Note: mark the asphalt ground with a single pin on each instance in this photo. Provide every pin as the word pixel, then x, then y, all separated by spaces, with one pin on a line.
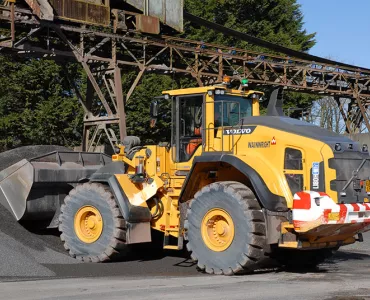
pixel 34 265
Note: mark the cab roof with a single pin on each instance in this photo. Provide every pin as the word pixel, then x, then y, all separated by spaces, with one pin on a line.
pixel 205 89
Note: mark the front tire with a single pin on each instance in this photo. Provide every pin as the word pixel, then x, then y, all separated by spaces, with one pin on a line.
pixel 91 224
pixel 226 230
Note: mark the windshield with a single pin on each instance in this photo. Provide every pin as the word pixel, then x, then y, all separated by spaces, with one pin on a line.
pixel 229 109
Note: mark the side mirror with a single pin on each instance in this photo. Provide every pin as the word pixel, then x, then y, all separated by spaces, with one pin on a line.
pixel 154 109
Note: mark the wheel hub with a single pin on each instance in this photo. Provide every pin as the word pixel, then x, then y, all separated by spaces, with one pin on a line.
pixel 88 224
pixel 217 229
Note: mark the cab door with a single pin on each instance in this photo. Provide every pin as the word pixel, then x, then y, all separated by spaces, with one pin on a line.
pixel 187 118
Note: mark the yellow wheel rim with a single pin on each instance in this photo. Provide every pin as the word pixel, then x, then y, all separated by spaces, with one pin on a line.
pixel 88 224
pixel 217 229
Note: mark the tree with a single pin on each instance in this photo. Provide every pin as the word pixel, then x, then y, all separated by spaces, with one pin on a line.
pixel 325 113
pixel 137 108
pixel 36 105
pixel 277 21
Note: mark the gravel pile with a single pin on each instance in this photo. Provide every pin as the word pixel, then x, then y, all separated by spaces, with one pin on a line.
pixel 24 253
pixel 13 156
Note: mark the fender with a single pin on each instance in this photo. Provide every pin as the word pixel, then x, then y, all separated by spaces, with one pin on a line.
pixel 268 200
pixel 131 213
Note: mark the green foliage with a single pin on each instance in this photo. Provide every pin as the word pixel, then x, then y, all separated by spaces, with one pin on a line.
pixel 36 105
pixel 138 106
pixel 277 21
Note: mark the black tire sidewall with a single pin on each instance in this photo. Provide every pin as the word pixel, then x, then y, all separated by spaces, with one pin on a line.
pixel 87 197
pixel 242 227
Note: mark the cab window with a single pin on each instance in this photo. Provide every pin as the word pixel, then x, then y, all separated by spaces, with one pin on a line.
pixel 293 169
pixel 186 133
pixel 229 109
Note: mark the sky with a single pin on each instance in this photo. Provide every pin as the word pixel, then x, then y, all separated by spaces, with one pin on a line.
pixel 342 29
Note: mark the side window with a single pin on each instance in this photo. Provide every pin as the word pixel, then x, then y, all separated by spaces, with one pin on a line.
pixel 187 127
pixel 293 159
pixel 293 169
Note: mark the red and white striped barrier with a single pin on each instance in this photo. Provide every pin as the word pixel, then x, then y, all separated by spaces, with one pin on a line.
pixel 312 209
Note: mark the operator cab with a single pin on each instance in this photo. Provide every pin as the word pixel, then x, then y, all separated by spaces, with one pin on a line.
pixel 222 106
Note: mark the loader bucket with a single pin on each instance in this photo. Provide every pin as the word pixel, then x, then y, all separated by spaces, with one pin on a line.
pixel 34 189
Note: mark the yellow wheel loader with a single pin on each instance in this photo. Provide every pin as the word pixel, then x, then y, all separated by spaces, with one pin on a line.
pixel 240 190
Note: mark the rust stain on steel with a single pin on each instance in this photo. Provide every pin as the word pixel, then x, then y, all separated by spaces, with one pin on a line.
pixel 35 7
pixel 82 11
pixel 170 12
pixel 147 24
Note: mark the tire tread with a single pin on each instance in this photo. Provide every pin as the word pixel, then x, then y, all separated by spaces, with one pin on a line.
pixel 254 253
pixel 116 247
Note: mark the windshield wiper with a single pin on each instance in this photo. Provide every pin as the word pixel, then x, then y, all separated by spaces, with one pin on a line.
pixel 354 174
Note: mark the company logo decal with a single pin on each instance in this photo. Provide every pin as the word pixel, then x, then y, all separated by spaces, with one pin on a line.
pixel 273 141
pixel 259 144
pixel 315 175
pixel 237 131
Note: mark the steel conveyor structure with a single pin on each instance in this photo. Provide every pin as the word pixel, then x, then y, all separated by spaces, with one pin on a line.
pixel 127 38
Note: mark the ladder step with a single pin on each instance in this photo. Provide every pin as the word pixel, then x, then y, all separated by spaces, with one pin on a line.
pixel 171 247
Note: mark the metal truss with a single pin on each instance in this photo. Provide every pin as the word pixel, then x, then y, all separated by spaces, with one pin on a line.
pixel 103 54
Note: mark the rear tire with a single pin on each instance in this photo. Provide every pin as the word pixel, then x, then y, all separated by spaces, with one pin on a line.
pixel 82 239
pixel 240 216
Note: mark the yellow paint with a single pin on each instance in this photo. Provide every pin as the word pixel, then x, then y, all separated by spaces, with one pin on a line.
pixel 217 229
pixel 293 245
pixel 286 227
pixel 139 193
pixel 205 89
pixel 268 162
pixel 367 185
pixel 88 224
pixel 330 174
pixel 334 216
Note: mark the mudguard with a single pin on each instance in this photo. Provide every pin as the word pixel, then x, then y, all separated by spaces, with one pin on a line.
pixel 269 200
